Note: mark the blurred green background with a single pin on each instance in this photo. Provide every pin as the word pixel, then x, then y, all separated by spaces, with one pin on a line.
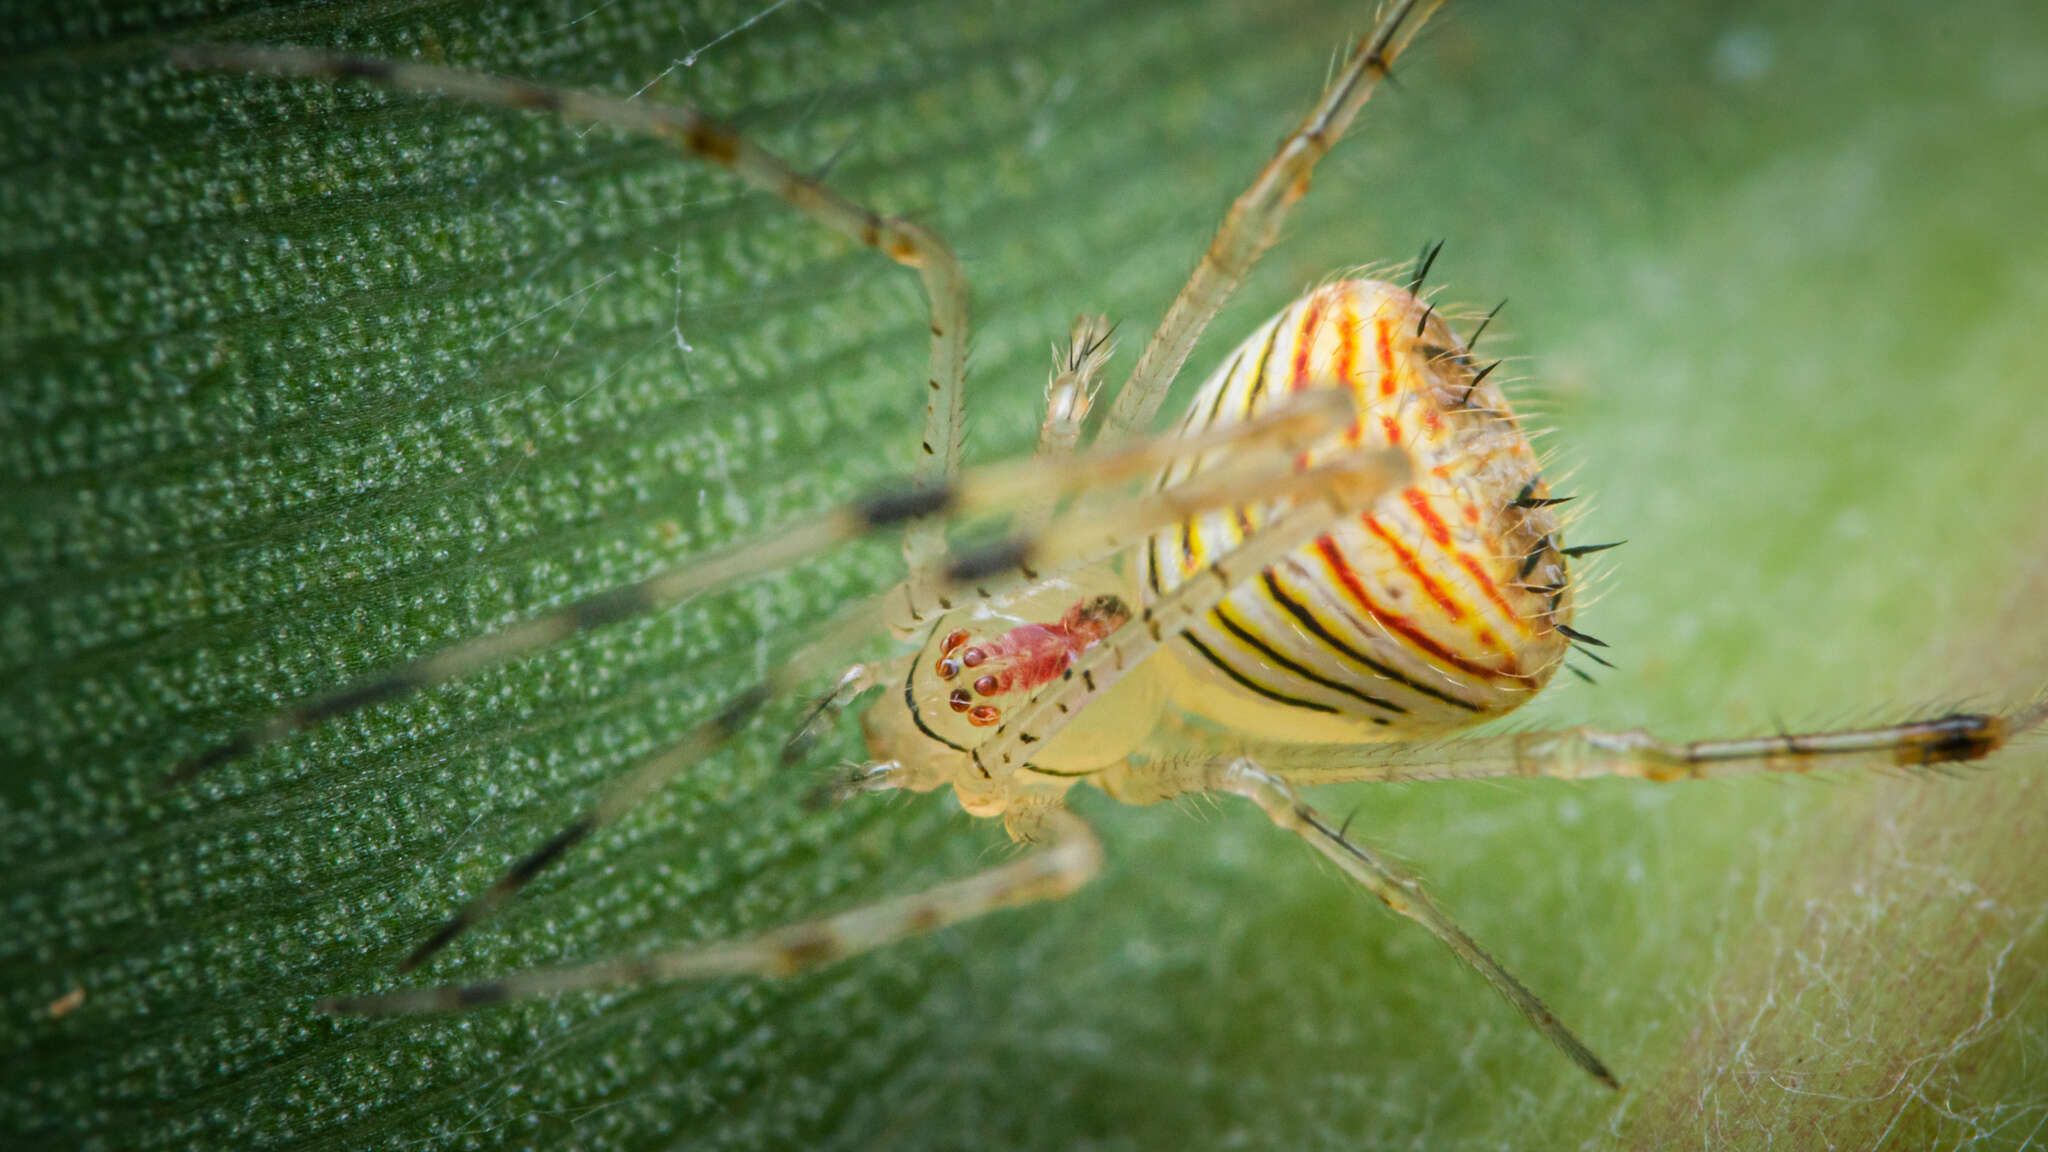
pixel 301 381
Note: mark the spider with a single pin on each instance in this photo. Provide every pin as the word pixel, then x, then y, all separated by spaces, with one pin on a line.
pixel 1345 554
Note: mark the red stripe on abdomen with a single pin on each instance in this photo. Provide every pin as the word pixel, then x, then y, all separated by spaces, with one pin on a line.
pixel 1412 565
pixel 1347 341
pixel 1305 341
pixel 1490 589
pixel 1333 559
pixel 1384 342
pixel 1431 522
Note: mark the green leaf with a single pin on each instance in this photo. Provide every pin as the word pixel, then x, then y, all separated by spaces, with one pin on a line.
pixel 305 380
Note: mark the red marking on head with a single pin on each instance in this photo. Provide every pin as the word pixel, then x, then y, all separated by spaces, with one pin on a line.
pixel 1432 419
pixel 1092 619
pixel 1471 513
pixel 1032 654
pixel 1392 428
pixel 983 715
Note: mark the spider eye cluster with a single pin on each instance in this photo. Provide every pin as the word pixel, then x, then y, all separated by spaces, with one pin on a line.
pixel 956 656
pixel 971 671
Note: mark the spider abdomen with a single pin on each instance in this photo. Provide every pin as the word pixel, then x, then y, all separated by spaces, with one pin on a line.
pixel 1437 609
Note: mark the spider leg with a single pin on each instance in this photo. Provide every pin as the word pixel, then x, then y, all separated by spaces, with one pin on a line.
pixel 1255 219
pixel 1076 375
pixel 695 134
pixel 1085 533
pixel 1397 890
pixel 1068 856
pixel 991 489
pixel 854 683
pixel 1069 394
pixel 1581 753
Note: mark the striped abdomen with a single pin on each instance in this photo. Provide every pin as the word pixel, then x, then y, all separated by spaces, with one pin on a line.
pixel 1439 608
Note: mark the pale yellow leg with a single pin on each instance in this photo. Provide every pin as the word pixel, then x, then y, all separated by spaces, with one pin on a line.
pixel 1239 776
pixel 1066 857
pixel 1258 214
pixel 695 134
pixel 1070 392
pixel 1583 753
